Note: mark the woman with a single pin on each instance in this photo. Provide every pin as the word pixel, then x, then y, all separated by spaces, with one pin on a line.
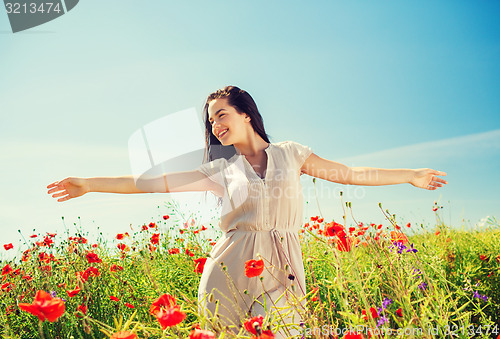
pixel 258 184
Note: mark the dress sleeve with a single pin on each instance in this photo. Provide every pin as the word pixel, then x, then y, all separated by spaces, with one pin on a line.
pixel 213 169
pixel 299 153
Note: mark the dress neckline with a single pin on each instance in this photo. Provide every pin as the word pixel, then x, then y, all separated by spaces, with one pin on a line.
pixel 267 165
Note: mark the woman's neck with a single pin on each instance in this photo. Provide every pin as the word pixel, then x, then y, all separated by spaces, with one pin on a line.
pixel 253 147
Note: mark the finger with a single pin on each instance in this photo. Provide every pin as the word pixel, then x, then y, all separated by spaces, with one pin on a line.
pixel 52 185
pixel 59 194
pixel 439 180
pixel 64 198
pixel 56 189
pixel 439 173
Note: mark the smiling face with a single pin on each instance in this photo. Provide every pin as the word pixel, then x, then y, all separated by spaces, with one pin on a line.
pixel 223 117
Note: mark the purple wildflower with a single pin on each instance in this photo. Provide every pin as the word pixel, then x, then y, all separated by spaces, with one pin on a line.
pixel 53 294
pixel 382 320
pixel 386 303
pixel 480 296
pixel 422 286
pixel 412 249
pixel 400 247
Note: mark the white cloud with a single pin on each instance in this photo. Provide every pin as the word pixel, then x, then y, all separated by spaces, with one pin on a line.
pixel 472 145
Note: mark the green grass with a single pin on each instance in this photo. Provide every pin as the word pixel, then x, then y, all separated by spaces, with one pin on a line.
pixel 437 288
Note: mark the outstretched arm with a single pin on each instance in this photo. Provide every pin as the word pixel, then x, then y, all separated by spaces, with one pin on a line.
pixel 318 167
pixel 187 181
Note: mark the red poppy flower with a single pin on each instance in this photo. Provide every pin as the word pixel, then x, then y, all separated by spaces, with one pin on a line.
pixel 170 317
pixel 314 218
pixel 435 208
pixel 6 269
pixel 353 335
pixel 93 258
pixel 155 238
pixel 26 255
pixel 483 257
pixel 124 335
pixel 94 271
pixel 164 301
pixel 344 243
pixel 74 292
pixel 129 305
pixel 112 297
pixel 45 307
pixel 82 308
pixel 332 228
pixel 144 228
pixel 52 235
pixel 408 225
pixel 33 236
pixel 373 313
pixel 152 225
pixel 200 264
pixel 201 334
pixel 8 246
pixel 251 323
pixel 121 247
pixel 7 286
pixel 188 252
pixel 115 268
pixel 399 312
pixel 174 251
pixel 48 241
pixel 119 236
pixel 314 290
pixel 398 237
pixel 254 268
pixel 165 217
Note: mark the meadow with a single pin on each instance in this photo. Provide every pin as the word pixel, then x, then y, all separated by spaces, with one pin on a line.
pixel 363 280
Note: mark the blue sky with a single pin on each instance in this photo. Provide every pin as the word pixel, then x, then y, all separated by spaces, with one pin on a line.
pixel 385 84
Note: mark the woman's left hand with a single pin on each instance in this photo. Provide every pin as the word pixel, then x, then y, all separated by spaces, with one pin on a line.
pixel 426 178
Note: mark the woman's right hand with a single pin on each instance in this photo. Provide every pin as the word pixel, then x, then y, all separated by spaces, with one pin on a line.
pixel 69 188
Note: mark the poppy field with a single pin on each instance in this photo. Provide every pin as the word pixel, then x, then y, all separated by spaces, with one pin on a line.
pixel 363 280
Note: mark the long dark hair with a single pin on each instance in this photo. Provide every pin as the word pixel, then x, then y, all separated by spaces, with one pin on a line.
pixel 242 103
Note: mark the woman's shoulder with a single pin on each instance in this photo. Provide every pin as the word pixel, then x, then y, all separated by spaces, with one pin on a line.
pixel 288 145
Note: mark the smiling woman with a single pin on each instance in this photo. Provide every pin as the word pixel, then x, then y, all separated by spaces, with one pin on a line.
pixel 259 227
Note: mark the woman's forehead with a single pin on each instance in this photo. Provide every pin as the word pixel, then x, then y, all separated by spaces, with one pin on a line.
pixel 215 106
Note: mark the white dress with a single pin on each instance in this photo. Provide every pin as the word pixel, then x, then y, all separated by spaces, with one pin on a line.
pixel 260 218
